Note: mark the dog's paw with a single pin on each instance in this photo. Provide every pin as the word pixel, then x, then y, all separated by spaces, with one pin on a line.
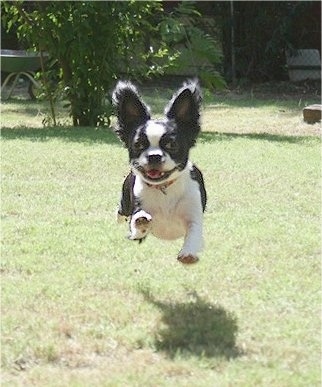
pixel 140 225
pixel 188 259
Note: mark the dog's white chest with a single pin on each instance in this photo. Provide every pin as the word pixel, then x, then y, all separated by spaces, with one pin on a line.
pixel 166 211
pixel 167 224
pixel 171 209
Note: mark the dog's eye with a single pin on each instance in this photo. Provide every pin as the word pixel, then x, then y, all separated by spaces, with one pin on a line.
pixel 171 146
pixel 139 146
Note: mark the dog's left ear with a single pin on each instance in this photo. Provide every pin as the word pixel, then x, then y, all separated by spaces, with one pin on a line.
pixel 184 105
pixel 131 110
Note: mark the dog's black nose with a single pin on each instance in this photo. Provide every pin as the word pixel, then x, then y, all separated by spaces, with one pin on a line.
pixel 155 159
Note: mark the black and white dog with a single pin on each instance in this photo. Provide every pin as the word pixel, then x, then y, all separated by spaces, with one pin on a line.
pixel 164 194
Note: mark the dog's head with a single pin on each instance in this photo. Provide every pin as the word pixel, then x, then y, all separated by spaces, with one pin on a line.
pixel 158 149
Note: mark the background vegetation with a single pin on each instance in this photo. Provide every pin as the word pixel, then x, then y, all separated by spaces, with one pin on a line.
pixel 95 43
pixel 264 30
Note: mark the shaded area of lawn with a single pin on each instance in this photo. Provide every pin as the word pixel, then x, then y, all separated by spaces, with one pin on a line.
pixel 68 134
pixel 196 327
pixel 279 95
pixel 106 135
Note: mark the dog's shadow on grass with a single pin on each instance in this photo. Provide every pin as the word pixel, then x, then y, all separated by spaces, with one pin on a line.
pixel 195 328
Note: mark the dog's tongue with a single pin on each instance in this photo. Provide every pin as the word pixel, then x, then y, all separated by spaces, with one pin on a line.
pixel 154 173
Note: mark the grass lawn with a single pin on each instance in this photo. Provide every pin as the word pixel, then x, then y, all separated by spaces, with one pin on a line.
pixel 83 306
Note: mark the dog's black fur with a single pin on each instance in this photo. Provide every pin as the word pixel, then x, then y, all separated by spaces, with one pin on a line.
pixel 163 184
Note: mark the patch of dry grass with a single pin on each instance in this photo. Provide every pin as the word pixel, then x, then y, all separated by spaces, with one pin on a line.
pixel 268 117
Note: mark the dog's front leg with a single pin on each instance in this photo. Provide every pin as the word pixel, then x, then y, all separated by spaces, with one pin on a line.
pixel 193 243
pixel 140 224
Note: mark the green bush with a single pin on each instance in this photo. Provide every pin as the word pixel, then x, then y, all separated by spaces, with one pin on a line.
pixel 95 43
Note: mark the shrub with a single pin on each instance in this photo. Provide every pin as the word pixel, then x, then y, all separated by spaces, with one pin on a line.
pixel 96 42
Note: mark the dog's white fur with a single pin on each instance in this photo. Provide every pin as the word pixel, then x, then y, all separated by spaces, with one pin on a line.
pixel 178 213
pixel 170 207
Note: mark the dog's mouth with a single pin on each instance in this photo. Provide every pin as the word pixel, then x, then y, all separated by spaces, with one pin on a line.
pixel 156 175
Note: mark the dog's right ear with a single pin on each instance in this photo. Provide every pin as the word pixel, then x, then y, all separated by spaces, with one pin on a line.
pixel 130 109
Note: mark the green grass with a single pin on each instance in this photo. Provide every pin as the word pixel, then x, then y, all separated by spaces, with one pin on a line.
pixel 83 306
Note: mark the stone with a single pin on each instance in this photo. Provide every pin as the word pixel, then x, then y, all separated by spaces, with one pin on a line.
pixel 312 113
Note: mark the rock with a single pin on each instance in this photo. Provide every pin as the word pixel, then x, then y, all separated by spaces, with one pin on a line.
pixel 312 113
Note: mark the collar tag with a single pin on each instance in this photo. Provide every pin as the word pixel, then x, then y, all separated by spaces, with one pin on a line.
pixel 162 187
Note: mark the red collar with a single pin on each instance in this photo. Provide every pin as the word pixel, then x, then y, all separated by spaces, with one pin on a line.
pixel 162 187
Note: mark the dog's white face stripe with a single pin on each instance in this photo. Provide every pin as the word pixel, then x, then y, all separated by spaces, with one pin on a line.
pixel 154 131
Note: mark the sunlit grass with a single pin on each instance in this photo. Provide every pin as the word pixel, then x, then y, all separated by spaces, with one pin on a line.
pixel 82 305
